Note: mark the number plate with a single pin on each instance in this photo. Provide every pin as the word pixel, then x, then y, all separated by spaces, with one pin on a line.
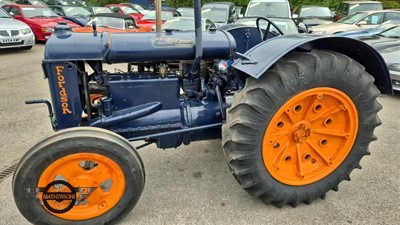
pixel 10 40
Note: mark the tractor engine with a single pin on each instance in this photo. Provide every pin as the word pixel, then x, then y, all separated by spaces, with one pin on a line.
pixel 166 95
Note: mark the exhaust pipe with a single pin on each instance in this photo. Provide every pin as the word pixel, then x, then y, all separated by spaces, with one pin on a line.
pixel 199 40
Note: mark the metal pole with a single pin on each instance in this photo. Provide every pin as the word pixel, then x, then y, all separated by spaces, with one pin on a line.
pixel 158 15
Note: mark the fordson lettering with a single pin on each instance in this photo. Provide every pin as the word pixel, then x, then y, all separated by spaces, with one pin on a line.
pixel 63 92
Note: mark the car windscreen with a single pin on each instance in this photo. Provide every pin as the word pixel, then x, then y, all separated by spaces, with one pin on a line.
pixel 388 24
pixel 217 15
pixel 66 2
pixel 268 9
pixel 181 24
pixel 128 10
pixel 37 3
pixel 165 15
pixel 101 10
pixel 38 12
pixel 3 14
pixel 189 12
pixel 76 11
pixel 139 7
pixel 107 22
pixel 353 18
pixel 364 7
pixel 393 32
pixel 315 12
pixel 287 27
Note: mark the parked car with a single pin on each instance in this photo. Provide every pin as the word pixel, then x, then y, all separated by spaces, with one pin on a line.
pixel 350 7
pixel 311 15
pixel 356 21
pixel 76 14
pixel 186 11
pixel 40 19
pixel 30 2
pixel 14 33
pixel 122 9
pixel 149 20
pixel 187 24
pixel 388 44
pixel 220 13
pixel 286 25
pixel 268 8
pixel 98 9
pixel 113 23
pixel 368 32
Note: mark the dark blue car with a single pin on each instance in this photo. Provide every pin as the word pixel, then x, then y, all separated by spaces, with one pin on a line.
pixel 76 14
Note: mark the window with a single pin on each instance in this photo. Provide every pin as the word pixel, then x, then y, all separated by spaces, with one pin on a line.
pixel 114 9
pixel 7 9
pixel 392 16
pixel 57 10
pixel 374 19
pixel 346 9
pixel 129 24
pixel 340 8
pixel 14 11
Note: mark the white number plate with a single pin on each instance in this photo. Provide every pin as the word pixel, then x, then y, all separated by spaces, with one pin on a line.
pixel 10 40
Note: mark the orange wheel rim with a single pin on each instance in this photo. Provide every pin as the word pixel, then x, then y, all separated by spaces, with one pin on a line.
pixel 99 180
pixel 310 136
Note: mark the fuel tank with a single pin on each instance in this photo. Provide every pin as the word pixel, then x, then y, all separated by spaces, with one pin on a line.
pixel 135 47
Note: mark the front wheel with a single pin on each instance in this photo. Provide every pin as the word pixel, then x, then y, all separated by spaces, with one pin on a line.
pixel 78 176
pixel 301 129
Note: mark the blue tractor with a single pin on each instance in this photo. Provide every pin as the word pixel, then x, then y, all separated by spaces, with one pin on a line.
pixel 296 114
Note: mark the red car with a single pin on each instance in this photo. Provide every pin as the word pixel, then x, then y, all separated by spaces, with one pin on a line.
pixel 123 9
pixel 112 23
pixel 39 18
pixel 149 20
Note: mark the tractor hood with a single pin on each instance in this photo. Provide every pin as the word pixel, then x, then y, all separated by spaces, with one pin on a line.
pixel 135 47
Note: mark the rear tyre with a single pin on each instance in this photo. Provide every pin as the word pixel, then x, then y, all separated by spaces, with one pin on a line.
pixel 301 129
pixel 100 167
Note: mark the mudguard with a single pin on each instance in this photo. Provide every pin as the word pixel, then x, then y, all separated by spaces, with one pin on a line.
pixel 256 61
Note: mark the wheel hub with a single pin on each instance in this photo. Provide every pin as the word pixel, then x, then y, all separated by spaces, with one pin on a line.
pixel 310 136
pixel 99 182
pixel 301 132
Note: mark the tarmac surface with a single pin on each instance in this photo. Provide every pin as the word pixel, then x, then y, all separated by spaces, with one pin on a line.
pixel 192 184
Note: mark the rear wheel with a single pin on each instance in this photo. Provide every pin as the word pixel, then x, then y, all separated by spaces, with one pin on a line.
pixel 79 176
pixel 299 130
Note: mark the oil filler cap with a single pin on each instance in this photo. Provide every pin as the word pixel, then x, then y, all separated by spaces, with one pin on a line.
pixel 62 29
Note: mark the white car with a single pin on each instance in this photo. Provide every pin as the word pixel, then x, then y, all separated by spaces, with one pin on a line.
pixel 14 33
pixel 356 21
pixel 268 8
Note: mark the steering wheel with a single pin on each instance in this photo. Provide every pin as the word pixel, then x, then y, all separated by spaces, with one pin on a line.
pixel 264 36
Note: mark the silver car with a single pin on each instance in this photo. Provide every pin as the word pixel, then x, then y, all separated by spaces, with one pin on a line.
pixel 388 44
pixel 14 33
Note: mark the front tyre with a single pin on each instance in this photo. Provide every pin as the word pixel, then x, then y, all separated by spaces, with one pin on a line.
pixel 299 130
pixel 78 176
